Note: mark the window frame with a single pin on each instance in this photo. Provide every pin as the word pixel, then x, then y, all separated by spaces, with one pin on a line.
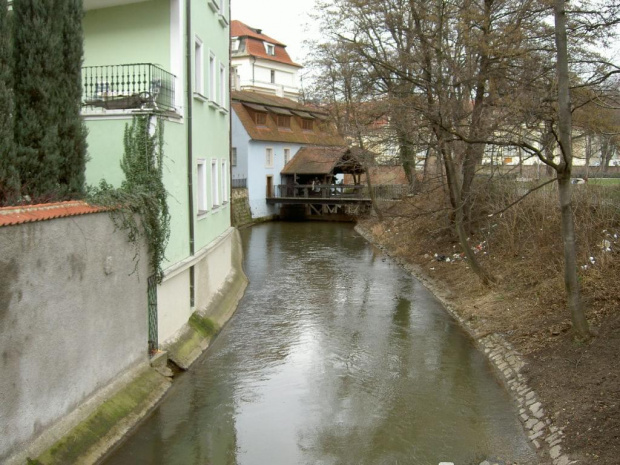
pixel 222 86
pixel 202 204
pixel 224 181
pixel 199 75
pixel 287 155
pixel 212 77
pixel 270 49
pixel 215 198
pixel 269 157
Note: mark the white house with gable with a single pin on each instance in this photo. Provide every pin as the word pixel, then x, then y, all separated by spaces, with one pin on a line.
pixel 261 64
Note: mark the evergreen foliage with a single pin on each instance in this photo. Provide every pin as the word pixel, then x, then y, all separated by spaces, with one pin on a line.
pixel 50 138
pixel 9 179
pixel 142 192
pixel 37 59
pixel 71 129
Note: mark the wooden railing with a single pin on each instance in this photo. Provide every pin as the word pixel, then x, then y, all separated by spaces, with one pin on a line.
pixel 340 191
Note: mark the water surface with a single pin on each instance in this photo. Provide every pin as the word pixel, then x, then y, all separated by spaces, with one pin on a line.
pixel 335 356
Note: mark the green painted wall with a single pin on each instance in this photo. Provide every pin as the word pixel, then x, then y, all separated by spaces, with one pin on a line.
pixel 141 33
pixel 211 126
pixel 134 33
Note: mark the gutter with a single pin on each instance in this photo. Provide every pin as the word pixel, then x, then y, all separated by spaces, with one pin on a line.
pixel 190 157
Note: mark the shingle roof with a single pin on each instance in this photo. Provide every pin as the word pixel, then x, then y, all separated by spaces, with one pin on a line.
pixel 245 102
pixel 252 44
pixel 317 160
pixel 10 216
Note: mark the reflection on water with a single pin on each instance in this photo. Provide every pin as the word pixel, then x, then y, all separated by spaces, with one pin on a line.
pixel 335 356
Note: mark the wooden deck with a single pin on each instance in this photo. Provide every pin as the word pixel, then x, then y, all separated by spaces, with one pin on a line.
pixel 331 194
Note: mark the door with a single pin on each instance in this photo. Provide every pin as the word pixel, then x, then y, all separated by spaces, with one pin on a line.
pixel 269 192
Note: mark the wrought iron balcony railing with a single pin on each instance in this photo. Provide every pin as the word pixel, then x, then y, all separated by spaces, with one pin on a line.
pixel 133 86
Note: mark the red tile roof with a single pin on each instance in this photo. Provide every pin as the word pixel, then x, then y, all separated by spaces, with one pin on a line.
pixel 323 133
pixel 10 216
pixel 252 44
pixel 239 29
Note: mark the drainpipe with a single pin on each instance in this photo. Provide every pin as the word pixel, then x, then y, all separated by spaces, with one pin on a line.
pixel 190 157
pixel 253 63
pixel 230 112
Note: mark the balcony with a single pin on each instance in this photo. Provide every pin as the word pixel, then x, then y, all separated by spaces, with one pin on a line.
pixel 137 86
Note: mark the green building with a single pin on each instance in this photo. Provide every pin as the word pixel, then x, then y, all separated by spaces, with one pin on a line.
pixel 170 58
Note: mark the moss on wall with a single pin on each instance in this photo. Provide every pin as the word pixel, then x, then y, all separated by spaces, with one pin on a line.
pixel 97 431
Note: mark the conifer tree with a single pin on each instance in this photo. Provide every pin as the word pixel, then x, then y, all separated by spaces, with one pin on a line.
pixel 37 56
pixel 9 180
pixel 71 130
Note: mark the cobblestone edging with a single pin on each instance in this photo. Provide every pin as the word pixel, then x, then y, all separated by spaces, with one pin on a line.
pixel 544 436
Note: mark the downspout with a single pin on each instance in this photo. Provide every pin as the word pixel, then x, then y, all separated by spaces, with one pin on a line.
pixel 190 158
pixel 230 111
pixel 253 63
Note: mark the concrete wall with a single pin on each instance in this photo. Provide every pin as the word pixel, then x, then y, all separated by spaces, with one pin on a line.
pixel 220 283
pixel 73 317
pixel 240 207
pixel 212 266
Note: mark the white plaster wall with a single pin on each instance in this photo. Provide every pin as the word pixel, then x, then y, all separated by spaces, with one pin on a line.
pixel 73 317
pixel 173 304
pixel 257 181
pixel 240 140
pixel 213 268
pixel 285 74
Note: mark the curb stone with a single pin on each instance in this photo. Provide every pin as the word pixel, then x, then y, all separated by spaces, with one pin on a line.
pixel 508 364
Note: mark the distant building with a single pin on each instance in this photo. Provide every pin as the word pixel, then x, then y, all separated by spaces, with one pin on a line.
pixel 267 132
pixel 261 64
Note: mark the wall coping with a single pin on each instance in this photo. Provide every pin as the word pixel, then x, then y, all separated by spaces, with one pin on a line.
pixel 19 214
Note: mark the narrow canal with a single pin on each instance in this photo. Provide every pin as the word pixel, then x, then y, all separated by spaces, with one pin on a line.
pixel 335 356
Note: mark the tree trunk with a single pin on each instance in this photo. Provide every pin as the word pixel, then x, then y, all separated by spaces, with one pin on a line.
pixel 407 158
pixel 571 283
pixel 371 193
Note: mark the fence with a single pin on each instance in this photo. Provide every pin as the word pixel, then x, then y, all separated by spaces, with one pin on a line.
pixel 239 183
pixel 342 191
pixel 131 86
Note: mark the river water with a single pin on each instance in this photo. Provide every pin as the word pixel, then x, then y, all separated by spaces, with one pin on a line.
pixel 335 356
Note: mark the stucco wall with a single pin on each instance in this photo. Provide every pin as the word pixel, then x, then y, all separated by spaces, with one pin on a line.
pixel 257 181
pixel 212 265
pixel 73 317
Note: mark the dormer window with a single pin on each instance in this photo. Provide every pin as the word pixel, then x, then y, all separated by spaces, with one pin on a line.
pixel 234 44
pixel 307 124
pixel 270 49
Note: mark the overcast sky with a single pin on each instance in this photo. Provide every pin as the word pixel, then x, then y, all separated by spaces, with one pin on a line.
pixel 283 20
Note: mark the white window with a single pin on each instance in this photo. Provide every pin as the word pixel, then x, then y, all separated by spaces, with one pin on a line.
pixel 224 178
pixel 201 185
pixel 273 77
pixel 198 67
pixel 268 157
pixel 270 49
pixel 223 85
pixel 212 77
pixel 233 156
pixel 214 184
pixel 287 156
pixel 234 44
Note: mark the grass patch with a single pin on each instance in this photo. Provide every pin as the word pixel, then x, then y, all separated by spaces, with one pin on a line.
pixel 604 181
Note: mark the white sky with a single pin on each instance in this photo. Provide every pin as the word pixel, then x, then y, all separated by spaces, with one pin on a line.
pixel 283 20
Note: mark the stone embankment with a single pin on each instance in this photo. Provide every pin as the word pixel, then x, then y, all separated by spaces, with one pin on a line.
pixel 509 365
